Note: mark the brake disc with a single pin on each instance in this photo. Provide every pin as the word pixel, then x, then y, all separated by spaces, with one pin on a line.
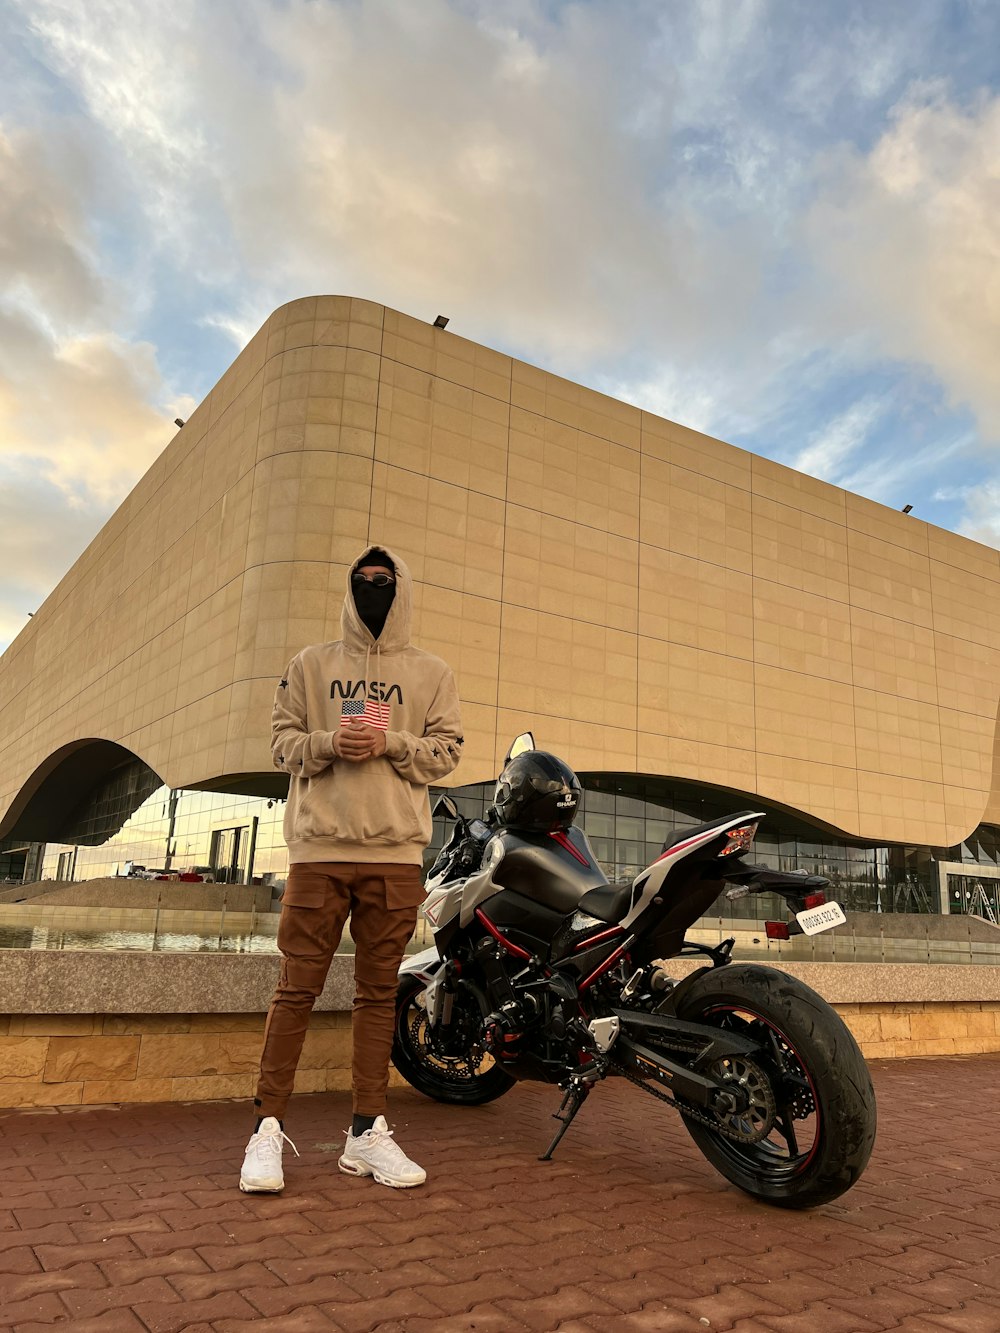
pixel 453 1067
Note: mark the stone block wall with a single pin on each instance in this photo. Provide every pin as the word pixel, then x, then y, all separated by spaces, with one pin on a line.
pixel 142 894
pixel 60 1044
pixel 896 1031
pixel 82 1059
pixel 859 641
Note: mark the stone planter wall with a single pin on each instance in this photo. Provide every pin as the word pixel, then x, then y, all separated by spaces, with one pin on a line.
pixel 89 1028
pixel 63 1059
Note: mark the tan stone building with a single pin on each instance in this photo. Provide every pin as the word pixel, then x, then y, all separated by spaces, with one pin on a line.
pixel 692 627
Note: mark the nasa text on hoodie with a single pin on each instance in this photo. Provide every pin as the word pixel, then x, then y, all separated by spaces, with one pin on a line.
pixel 377 810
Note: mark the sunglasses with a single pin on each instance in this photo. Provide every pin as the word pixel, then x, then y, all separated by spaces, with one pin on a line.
pixel 379 580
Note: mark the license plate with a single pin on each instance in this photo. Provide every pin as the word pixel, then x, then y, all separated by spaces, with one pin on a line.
pixel 825 917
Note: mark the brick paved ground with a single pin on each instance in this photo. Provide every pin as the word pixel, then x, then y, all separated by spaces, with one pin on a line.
pixel 130 1219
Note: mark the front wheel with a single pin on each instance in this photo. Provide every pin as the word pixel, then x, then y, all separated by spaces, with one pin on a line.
pixel 449 1069
pixel 809 1127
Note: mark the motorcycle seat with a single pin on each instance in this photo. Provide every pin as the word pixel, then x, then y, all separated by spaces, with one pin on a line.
pixel 606 902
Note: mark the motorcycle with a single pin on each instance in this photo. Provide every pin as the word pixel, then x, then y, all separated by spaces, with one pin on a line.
pixel 543 970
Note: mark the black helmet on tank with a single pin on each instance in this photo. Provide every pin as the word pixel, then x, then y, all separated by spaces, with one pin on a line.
pixel 537 793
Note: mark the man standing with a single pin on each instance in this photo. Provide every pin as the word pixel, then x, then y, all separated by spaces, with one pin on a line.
pixel 361 726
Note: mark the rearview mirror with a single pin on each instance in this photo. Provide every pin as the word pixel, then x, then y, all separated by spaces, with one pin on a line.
pixel 521 745
pixel 446 806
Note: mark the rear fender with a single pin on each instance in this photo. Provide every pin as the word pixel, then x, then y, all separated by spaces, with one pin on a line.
pixel 671 1003
pixel 792 885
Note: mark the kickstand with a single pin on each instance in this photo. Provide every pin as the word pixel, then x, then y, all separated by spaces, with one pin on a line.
pixel 576 1095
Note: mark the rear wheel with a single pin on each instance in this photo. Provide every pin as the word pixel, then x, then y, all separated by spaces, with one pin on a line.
pixel 449 1068
pixel 808 1127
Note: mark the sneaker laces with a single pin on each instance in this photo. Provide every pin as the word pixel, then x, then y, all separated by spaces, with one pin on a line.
pixel 381 1138
pixel 270 1144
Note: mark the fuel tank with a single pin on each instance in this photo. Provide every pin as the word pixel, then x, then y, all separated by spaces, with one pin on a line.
pixel 553 869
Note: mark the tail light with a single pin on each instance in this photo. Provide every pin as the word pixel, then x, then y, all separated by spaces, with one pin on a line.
pixel 814 900
pixel 739 839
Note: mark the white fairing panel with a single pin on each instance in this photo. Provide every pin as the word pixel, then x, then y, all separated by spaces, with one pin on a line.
pixel 443 903
pixel 462 896
pixel 423 964
pixel 478 888
pixel 651 881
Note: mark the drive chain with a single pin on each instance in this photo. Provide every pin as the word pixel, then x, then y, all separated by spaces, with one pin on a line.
pixel 691 1112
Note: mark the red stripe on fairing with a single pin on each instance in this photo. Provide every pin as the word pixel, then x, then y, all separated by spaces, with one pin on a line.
pixel 701 837
pixel 680 846
pixel 608 962
pixel 515 949
pixel 567 846
pixel 596 939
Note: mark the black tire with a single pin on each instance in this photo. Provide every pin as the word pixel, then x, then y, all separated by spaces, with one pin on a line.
pixel 453 1079
pixel 824 1102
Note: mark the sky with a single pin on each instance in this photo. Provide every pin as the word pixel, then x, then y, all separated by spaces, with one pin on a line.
pixel 774 221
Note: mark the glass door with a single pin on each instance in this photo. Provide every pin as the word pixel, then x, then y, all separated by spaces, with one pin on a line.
pixel 228 855
pixel 975 897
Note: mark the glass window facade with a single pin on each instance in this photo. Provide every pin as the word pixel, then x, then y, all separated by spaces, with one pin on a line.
pixel 239 838
pixel 627 819
pixel 120 795
pixel 231 839
pixel 14 860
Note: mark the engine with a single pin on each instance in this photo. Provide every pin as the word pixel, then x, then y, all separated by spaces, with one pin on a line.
pixel 535 1028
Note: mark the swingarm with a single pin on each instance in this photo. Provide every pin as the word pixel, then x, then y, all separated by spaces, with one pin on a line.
pixel 708 1045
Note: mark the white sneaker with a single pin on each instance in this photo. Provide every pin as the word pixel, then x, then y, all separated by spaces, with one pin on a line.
pixel 375 1153
pixel 262 1173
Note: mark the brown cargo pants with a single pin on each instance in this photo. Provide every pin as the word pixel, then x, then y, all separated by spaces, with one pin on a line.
pixel 382 901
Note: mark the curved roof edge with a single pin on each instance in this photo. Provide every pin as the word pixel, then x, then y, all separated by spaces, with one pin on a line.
pixel 50 799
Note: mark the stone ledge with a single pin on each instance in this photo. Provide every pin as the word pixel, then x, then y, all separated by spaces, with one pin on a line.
pixel 39 981
pixel 143 894
pixel 884 983
pixel 197 1057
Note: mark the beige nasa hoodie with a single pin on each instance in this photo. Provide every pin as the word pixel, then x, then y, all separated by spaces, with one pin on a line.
pixel 377 810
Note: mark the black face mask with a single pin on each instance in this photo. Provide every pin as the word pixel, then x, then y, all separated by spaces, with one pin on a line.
pixel 373 604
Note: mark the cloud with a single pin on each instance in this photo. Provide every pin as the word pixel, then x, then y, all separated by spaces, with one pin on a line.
pixel 43 259
pixel 507 169
pixel 907 471
pixel 40 536
pixel 586 185
pixel 982 514
pixel 909 236
pixel 644 198
pixel 831 448
pixel 445 163
pixel 695 399
pixel 132 68
pixel 82 407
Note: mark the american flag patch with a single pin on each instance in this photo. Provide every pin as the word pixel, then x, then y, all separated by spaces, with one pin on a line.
pixel 373 711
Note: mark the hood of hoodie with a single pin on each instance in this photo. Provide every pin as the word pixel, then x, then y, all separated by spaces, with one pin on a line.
pixel 395 634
